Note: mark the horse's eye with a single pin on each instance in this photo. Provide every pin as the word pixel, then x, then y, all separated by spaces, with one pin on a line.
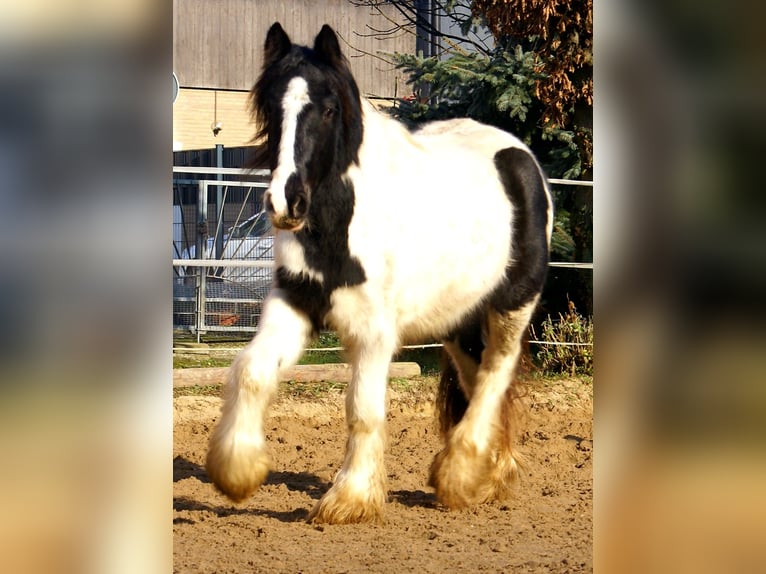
pixel 328 112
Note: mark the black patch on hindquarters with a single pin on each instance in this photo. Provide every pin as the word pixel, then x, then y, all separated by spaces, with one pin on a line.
pixel 451 402
pixel 525 186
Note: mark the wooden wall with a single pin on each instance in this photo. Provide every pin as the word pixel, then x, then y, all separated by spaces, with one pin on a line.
pixel 196 110
pixel 219 43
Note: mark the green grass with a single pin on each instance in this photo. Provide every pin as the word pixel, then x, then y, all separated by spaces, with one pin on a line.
pixel 207 356
pixel 318 389
pixel 314 389
pixel 184 361
pixel 198 391
pixel 321 357
pixel 428 359
pixel 548 392
pixel 311 389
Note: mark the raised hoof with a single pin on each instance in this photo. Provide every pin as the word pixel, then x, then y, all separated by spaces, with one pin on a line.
pixel 237 472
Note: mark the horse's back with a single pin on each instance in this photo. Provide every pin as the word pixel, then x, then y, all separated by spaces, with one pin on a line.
pixel 431 225
pixel 433 222
pixel 468 134
pixel 517 169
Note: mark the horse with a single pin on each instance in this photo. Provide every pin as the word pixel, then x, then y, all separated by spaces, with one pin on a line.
pixel 388 236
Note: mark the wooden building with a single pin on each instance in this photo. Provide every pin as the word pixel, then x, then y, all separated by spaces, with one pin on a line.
pixel 217 56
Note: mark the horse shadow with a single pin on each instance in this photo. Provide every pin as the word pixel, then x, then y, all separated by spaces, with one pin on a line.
pixel 184 468
pixel 303 482
pixel 414 498
pixel 223 511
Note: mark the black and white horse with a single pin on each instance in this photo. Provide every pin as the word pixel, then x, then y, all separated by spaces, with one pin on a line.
pixel 388 237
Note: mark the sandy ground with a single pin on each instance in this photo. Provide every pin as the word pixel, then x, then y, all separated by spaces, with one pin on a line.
pixel 546 527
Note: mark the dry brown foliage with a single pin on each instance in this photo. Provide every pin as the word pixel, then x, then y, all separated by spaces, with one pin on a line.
pixel 564 31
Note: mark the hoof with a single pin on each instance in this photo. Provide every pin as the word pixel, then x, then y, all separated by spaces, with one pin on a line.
pixel 338 506
pixel 461 477
pixel 235 470
pixel 505 474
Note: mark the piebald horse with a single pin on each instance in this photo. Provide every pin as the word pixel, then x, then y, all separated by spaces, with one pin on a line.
pixel 388 237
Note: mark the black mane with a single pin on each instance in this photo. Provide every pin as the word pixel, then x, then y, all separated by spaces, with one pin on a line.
pixel 323 62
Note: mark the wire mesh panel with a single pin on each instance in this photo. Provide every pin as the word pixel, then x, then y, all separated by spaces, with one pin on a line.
pixel 223 252
pixel 228 305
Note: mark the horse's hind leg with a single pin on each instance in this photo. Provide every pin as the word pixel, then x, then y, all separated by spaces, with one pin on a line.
pixel 458 377
pixel 237 460
pixel 477 463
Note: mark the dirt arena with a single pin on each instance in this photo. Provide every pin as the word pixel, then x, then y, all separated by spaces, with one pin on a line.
pixel 546 527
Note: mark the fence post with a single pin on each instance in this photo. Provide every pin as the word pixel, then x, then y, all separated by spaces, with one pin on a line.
pixel 219 202
pixel 201 249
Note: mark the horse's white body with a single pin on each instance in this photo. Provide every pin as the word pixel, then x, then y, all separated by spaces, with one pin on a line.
pixel 428 234
pixel 432 228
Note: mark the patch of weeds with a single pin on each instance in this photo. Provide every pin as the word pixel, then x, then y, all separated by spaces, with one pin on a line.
pixel 538 378
pixel 566 359
pixel 429 359
pixel 401 384
pixel 311 389
pixel 326 340
pixel 421 388
pixel 548 392
pixel 191 361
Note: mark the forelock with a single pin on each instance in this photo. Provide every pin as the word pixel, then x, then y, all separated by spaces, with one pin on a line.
pixel 303 61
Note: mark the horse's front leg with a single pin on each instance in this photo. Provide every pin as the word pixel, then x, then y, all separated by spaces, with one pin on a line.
pixel 359 490
pixel 237 459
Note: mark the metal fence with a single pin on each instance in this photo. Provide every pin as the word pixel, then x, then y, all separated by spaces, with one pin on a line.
pixel 222 249
pixel 223 255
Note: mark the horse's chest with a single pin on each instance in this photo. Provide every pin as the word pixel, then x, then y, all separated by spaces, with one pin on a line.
pixel 311 271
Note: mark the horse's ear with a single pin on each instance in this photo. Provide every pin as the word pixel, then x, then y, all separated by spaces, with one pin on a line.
pixel 277 45
pixel 326 46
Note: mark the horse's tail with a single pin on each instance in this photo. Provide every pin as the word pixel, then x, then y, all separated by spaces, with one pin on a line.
pixel 451 402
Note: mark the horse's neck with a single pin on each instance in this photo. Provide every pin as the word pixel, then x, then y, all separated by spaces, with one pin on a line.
pixel 381 129
pixel 388 149
pixel 332 205
pixel 333 202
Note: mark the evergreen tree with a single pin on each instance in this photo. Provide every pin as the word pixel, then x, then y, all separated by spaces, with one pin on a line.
pixel 536 81
pixel 533 78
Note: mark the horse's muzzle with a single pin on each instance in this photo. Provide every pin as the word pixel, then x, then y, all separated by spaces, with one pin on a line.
pixel 287 223
pixel 293 218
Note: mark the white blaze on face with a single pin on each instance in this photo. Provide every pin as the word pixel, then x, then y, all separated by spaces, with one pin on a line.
pixel 295 99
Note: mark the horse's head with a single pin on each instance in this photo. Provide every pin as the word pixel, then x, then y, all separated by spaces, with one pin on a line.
pixel 307 107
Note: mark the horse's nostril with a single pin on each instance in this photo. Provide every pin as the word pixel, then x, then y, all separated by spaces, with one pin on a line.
pixel 297 196
pixel 300 207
